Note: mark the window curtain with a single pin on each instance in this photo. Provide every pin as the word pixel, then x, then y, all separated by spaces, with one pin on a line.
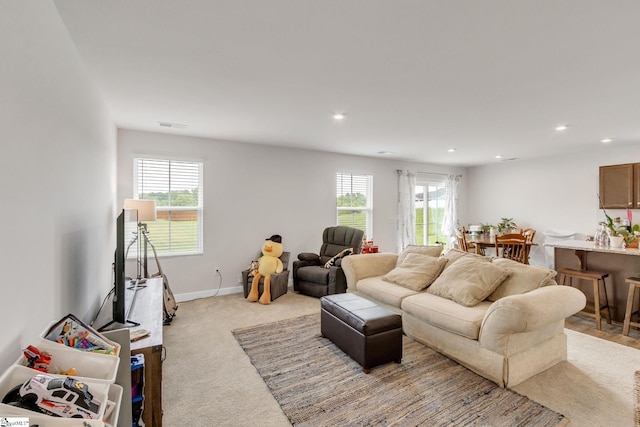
pixel 450 220
pixel 406 227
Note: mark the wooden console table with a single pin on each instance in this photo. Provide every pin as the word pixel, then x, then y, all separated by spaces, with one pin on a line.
pixel 146 310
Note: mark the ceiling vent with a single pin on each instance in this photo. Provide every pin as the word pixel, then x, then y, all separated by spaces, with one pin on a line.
pixel 172 125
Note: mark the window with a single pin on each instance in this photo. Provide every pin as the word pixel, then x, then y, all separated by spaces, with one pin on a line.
pixel 354 201
pixel 429 211
pixel 176 186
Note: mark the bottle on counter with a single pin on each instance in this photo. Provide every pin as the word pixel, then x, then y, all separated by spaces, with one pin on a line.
pixel 601 238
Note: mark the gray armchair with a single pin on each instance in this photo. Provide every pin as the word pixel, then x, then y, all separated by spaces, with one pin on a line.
pixel 279 281
pixel 309 275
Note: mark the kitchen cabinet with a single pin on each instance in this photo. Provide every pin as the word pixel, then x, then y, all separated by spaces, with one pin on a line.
pixel 620 186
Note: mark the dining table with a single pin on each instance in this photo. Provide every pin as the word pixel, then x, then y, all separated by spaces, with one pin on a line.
pixel 483 241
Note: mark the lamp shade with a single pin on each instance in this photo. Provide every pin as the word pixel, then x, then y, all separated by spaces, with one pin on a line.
pixel 146 208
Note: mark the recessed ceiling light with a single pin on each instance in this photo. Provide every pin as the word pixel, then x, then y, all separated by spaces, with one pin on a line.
pixel 499 156
pixel 172 125
pixel 451 150
pixel 338 116
pixel 562 128
pixel 606 140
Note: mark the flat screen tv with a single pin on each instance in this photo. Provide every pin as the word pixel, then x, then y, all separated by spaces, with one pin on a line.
pixel 122 293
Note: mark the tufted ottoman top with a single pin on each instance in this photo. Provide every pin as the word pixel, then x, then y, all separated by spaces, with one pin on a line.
pixel 361 314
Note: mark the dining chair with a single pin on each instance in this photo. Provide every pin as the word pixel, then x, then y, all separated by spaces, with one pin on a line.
pixel 463 245
pixel 529 233
pixel 512 246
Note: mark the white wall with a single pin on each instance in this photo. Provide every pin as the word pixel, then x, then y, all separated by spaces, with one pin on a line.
pixel 253 191
pixel 58 178
pixel 546 193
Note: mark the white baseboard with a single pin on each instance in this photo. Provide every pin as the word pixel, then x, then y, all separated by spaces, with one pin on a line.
pixel 214 293
pixel 206 294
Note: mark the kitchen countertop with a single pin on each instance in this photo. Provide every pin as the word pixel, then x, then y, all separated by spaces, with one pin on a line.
pixel 583 245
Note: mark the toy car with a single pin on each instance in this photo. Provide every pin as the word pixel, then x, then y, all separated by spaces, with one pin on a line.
pixel 62 397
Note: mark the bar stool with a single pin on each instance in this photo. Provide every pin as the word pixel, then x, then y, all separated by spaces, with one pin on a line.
pixel 634 283
pixel 596 277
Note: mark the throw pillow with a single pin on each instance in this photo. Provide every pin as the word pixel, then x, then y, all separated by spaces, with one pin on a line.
pixel 468 281
pixel 416 271
pixel 434 251
pixel 343 253
pixel 524 278
pixel 452 255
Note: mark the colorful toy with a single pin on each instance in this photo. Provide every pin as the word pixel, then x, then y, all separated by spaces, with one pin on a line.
pixel 62 397
pixel 269 263
pixel 36 359
pixel 253 268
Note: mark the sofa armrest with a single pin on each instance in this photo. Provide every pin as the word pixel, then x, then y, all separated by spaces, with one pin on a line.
pixel 532 310
pixel 360 266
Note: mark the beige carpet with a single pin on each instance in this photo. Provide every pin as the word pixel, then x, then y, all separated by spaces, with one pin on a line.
pixel 209 380
pixel 636 389
pixel 318 384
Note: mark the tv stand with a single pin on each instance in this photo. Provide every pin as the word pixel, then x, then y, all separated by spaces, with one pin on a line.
pixel 110 325
pixel 148 312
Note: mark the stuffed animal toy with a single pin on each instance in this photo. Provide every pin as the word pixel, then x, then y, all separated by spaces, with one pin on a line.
pixel 269 263
pixel 253 268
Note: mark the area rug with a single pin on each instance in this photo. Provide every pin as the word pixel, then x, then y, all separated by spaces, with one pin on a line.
pixel 315 383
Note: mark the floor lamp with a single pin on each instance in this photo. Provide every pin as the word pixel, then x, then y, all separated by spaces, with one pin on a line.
pixel 146 212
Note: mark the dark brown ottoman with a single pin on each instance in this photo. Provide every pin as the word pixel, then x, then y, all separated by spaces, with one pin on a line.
pixel 369 334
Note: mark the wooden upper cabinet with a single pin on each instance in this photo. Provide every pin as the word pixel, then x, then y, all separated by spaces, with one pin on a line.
pixel 618 186
pixel 636 185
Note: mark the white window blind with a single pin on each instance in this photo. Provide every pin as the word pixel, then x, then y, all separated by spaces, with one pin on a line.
pixel 354 201
pixel 176 186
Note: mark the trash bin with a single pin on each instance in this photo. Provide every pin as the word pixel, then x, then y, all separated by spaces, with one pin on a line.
pixel 555 236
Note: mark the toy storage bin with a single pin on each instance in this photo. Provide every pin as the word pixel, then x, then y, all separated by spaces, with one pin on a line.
pixel 111 343
pixel 115 396
pixel 95 367
pixel 17 375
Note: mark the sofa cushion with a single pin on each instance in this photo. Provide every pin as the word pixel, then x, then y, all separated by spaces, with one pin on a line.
pixel 468 281
pixel 416 271
pixel 452 255
pixel 446 314
pixel 435 251
pixel 387 293
pixel 523 278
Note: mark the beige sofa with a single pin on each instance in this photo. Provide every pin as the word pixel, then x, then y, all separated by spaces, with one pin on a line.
pixel 508 336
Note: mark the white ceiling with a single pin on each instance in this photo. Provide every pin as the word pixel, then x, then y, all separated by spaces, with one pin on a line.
pixel 413 77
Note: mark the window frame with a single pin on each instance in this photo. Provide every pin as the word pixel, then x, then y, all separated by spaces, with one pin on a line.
pixel 368 209
pixel 199 209
pixel 425 181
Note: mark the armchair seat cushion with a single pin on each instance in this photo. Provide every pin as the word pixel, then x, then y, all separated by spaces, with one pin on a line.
pixel 315 274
